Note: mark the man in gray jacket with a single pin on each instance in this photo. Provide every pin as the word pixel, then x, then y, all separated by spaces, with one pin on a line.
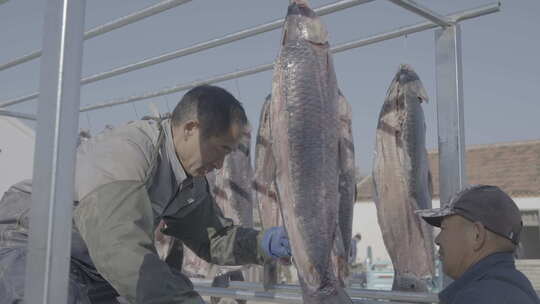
pixel 128 181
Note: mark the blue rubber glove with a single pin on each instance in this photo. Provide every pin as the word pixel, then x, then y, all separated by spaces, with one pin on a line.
pixel 275 243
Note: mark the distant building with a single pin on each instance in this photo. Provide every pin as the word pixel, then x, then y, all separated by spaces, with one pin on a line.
pixel 515 167
pixel 16 152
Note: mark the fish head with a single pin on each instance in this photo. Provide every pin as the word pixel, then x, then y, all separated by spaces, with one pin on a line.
pixel 303 23
pixel 403 93
pixel 410 83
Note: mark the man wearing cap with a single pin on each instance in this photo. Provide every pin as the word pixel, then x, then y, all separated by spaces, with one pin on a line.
pixel 480 229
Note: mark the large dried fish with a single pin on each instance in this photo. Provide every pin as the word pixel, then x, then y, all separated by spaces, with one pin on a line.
pixel 347 190
pixel 304 127
pixel 265 188
pixel 402 182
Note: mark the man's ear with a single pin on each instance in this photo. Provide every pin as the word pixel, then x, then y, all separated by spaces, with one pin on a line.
pixel 189 128
pixel 480 236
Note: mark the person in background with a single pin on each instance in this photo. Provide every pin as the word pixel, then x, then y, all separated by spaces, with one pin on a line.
pixel 354 248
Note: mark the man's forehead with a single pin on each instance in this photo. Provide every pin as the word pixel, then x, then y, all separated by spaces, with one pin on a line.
pixel 454 220
pixel 449 219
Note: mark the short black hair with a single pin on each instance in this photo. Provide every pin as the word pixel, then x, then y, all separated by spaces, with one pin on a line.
pixel 214 108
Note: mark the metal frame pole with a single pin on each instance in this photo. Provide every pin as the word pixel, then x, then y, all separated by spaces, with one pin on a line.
pixel 48 257
pixel 450 117
pixel 422 11
pixel 402 31
pixel 360 293
pixel 199 47
pixel 107 27
pixel 18 115
pixel 296 298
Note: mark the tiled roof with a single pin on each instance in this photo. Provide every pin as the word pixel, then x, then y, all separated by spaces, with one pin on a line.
pixel 514 166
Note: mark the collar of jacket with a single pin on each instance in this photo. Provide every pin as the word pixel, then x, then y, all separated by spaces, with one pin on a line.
pixel 176 166
pixel 473 273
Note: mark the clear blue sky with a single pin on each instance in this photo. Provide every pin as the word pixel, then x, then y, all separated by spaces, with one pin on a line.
pixel 501 64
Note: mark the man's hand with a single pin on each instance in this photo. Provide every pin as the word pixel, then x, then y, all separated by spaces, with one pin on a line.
pixel 275 243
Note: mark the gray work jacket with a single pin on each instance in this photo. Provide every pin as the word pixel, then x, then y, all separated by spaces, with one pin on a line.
pixel 127 180
pixel 493 280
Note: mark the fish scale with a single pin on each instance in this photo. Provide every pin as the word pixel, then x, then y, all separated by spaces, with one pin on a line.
pixel 265 188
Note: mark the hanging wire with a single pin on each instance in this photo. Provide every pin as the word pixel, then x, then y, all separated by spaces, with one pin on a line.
pixel 409 51
pixel 135 109
pixel 406 50
pixel 237 82
pixel 88 121
pixel 167 102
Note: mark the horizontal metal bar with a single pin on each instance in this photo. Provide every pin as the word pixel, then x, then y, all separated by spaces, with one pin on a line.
pixel 144 13
pixel 407 30
pixel 352 292
pixel 105 28
pixel 415 28
pixel 423 11
pixel 476 12
pixel 324 10
pixel 19 100
pixel 182 87
pixel 280 297
pixel 255 296
pixel 18 115
pixel 398 296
